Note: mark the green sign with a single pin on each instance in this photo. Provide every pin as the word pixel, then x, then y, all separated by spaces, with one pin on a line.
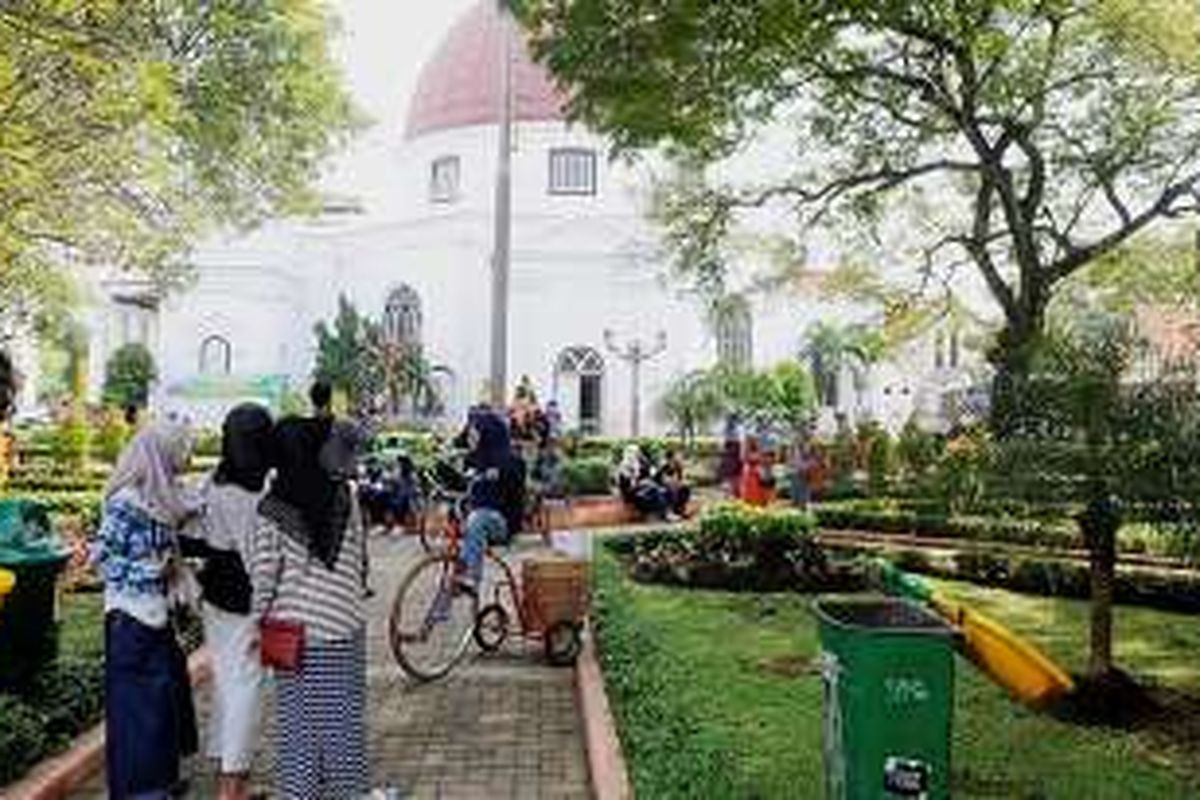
pixel 270 388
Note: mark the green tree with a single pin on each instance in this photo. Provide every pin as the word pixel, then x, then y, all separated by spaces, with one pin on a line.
pixel 691 403
pixel 831 348
pixel 345 357
pixel 1083 432
pixel 408 377
pixel 128 376
pixel 989 106
pixel 129 129
pixel 793 397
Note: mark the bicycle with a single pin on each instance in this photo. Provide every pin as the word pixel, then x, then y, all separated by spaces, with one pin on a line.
pixel 433 620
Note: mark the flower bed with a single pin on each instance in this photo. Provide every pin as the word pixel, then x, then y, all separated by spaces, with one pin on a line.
pixel 1006 522
pixel 738 548
pixel 927 519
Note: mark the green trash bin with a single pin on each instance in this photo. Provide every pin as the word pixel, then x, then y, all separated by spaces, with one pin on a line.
pixel 888 669
pixel 31 550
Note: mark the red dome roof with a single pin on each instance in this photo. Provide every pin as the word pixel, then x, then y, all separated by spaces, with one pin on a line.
pixel 460 85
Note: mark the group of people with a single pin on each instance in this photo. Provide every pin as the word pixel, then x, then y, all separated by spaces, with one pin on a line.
pixel 390 494
pixel 748 467
pixel 652 489
pixel 278 532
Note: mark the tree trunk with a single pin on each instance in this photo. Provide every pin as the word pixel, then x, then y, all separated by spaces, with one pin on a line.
pixel 1012 358
pixel 1100 523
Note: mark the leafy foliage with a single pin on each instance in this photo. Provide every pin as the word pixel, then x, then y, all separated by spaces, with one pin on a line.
pixel 128 376
pixel 131 128
pixel 692 403
pixel 944 135
pixel 357 359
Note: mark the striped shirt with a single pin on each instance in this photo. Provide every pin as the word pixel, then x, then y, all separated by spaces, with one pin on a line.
pixel 291 585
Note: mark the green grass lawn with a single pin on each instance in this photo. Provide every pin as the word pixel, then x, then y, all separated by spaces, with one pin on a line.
pixel 715 698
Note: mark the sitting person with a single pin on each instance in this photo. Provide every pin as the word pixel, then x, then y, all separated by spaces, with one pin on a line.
pixel 547 471
pixel 495 496
pixel 371 495
pixel 671 478
pixel 637 487
pixel 400 490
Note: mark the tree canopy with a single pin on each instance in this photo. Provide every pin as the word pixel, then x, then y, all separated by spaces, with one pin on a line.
pixel 1029 137
pixel 129 129
pixel 128 376
pixel 355 356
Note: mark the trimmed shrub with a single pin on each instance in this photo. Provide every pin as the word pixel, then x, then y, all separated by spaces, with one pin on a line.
pixel 70 444
pixel 587 476
pixel 22 737
pixel 738 548
pixel 70 695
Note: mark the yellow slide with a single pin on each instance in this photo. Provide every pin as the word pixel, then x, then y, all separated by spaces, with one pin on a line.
pixel 1006 658
pixel 7 581
pixel 1002 655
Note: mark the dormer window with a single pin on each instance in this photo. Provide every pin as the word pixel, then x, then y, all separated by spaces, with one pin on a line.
pixel 443 180
pixel 572 171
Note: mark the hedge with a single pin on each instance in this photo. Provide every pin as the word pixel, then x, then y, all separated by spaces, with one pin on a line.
pixel 587 476
pixel 737 548
pixel 934 523
pixel 1048 577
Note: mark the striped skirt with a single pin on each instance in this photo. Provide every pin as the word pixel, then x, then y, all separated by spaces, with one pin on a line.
pixel 321 725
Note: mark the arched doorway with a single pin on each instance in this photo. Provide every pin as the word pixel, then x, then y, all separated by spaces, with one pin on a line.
pixel 579 388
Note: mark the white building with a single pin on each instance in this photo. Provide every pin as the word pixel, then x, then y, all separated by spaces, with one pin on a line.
pixel 583 262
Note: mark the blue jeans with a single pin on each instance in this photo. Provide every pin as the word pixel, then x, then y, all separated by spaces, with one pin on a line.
pixel 484 526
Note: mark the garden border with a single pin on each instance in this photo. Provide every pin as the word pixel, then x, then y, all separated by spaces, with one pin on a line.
pixel 606 764
pixel 56 777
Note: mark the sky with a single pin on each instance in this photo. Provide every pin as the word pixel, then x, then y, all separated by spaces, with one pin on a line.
pixel 382 46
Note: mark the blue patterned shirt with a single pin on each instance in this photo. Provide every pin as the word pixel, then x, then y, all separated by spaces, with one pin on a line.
pixel 134 551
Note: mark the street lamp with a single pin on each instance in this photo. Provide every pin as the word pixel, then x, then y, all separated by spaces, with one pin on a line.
pixel 635 352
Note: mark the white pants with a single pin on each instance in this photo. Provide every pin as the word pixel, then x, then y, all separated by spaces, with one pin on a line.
pixel 237 688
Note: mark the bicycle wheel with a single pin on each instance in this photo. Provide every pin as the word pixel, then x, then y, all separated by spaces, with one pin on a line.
pixel 431 623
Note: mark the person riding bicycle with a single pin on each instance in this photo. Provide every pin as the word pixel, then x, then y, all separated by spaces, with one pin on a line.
pixel 495 494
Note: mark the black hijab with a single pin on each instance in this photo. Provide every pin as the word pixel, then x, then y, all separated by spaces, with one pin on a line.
pixel 309 498
pixel 245 448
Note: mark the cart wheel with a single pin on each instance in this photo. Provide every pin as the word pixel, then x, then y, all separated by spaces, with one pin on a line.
pixel 563 642
pixel 491 628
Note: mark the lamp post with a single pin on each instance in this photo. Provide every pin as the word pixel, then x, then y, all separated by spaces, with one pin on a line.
pixel 635 352
pixel 501 253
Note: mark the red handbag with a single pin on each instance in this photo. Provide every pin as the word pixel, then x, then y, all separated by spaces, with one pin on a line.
pixel 282 644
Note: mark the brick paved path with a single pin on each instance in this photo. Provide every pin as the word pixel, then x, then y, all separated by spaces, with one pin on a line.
pixel 504 726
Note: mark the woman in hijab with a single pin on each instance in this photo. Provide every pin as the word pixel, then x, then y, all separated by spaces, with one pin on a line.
pixel 496 491
pixel 224 535
pixel 150 720
pixel 636 486
pixel 310 569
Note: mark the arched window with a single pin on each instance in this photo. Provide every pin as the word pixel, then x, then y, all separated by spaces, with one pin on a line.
pixel 402 316
pixel 579 384
pixel 216 356
pixel 735 333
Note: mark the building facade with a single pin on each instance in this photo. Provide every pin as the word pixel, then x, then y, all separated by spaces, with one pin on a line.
pixel 586 277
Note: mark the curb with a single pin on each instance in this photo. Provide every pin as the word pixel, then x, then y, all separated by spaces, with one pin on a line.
pixel 606 765
pixel 56 777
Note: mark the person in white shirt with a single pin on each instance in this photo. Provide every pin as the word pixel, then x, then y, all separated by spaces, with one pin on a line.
pixel 223 536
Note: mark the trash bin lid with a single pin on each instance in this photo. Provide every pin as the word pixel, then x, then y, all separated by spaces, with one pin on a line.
pixel 26 535
pixel 880 615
